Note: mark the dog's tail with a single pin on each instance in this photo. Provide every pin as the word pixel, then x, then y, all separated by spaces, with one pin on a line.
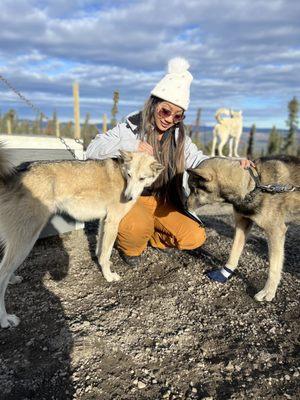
pixel 224 111
pixel 6 165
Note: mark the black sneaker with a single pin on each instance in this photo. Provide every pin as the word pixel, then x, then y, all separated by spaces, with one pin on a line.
pixel 133 261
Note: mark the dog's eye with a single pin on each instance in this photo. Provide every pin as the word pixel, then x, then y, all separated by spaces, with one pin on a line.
pixel 129 174
pixel 142 179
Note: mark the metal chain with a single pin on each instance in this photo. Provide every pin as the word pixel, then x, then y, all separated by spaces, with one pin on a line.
pixel 23 98
pixel 37 110
pixel 69 148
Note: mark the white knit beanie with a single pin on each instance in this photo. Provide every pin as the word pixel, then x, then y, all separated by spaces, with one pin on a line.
pixel 175 86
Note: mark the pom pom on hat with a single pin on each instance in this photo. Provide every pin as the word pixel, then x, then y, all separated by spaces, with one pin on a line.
pixel 178 65
pixel 175 85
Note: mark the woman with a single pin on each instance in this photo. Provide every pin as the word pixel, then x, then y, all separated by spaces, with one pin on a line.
pixel 158 217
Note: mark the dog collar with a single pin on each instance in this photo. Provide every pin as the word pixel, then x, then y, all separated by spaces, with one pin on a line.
pixel 273 188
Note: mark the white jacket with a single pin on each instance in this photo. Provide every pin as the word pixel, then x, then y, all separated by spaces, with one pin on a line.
pixel 126 136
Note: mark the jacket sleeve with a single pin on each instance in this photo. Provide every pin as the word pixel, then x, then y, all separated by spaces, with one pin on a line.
pixel 193 156
pixel 107 145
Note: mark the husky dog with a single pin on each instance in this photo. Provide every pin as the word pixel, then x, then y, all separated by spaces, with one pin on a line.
pixel 217 180
pixel 227 128
pixel 85 190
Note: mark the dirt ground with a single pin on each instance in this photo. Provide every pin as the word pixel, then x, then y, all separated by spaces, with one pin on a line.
pixel 163 332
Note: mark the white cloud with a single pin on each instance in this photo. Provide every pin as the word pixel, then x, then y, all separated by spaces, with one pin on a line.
pixel 236 50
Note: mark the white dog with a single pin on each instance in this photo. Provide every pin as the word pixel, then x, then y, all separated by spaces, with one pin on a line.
pixel 85 190
pixel 227 128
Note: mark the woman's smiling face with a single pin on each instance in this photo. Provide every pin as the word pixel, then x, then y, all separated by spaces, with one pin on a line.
pixel 167 115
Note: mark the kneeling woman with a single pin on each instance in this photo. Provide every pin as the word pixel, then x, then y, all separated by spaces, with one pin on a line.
pixel 158 217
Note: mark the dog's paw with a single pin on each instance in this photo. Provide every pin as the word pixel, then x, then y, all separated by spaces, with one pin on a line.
pixel 9 321
pixel 14 279
pixel 112 277
pixel 265 294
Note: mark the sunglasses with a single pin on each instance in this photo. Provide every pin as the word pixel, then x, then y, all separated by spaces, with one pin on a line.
pixel 166 113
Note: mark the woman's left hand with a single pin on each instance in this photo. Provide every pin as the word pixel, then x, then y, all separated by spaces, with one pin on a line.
pixel 245 163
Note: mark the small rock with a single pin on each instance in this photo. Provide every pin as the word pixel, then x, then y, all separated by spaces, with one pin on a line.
pixel 141 385
pixel 229 367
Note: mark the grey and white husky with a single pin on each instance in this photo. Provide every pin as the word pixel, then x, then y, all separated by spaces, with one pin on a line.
pixel 85 190
pixel 221 180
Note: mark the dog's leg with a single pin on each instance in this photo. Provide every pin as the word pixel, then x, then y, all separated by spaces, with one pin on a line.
pixel 236 144
pixel 7 266
pixel 100 237
pixel 230 147
pixel 242 228
pixel 222 144
pixel 16 250
pixel 107 238
pixel 276 237
pixel 214 143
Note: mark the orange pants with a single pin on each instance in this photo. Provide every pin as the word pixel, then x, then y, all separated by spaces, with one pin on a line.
pixel 161 224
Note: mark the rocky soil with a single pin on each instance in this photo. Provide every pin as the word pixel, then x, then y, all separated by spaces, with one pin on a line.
pixel 163 332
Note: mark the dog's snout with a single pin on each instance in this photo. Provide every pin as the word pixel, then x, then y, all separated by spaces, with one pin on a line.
pixel 128 197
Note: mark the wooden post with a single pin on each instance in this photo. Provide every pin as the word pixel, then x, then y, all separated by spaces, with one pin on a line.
pixel 57 130
pixel 8 123
pixel 104 123
pixel 76 110
pixel 197 125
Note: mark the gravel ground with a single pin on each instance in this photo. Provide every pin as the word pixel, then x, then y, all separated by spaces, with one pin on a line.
pixel 163 332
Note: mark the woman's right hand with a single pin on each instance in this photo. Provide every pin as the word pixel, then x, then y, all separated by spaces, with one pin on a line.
pixel 145 148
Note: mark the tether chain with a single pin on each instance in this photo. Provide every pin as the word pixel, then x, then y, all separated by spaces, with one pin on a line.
pixel 37 110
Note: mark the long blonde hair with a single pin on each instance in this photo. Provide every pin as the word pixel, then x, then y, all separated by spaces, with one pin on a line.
pixel 171 154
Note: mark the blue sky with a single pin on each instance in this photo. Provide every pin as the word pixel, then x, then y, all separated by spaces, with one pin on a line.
pixel 244 54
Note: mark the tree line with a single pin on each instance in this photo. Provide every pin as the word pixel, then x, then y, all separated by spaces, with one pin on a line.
pixel 278 143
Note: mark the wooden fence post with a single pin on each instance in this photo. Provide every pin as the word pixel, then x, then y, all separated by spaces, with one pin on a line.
pixel 104 123
pixel 57 130
pixel 76 110
pixel 8 123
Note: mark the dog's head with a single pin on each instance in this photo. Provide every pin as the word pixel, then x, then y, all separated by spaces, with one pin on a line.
pixel 218 180
pixel 236 114
pixel 139 170
pixel 204 187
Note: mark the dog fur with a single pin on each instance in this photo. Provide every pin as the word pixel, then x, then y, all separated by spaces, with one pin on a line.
pixel 227 128
pixel 223 180
pixel 85 190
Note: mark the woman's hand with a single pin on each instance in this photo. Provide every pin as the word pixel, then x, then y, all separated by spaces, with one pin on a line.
pixel 245 163
pixel 145 148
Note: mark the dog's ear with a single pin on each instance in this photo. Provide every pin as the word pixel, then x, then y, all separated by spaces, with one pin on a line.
pixel 157 167
pixel 201 174
pixel 126 156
